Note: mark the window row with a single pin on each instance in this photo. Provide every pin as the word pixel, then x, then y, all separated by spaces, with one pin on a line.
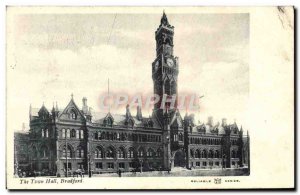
pixel 178 137
pixel 67 152
pixel 122 153
pixel 78 134
pixel 210 154
pixel 126 137
pixel 205 141
pixel 43 152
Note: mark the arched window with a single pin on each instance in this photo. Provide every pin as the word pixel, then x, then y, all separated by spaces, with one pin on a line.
pixel 67 152
pixel 43 133
pixel 192 153
pixel 80 152
pixel 63 133
pixel 77 134
pixel 34 152
pixel 44 153
pixel 73 114
pixel 217 154
pixel 140 152
pixel 81 134
pixel 210 154
pixel 159 153
pixel 180 137
pixel 110 153
pixel 130 153
pixel 121 153
pixel 204 154
pixel 47 133
pixel 68 133
pixel 98 152
pixel 150 152
pixel 73 133
pixel 197 155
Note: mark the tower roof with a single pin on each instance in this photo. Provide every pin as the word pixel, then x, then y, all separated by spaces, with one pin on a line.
pixel 164 19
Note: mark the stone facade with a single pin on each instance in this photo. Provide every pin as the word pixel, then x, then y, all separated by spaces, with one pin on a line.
pixel 77 139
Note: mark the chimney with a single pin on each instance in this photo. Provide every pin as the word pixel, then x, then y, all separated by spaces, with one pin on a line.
pixel 85 108
pixel 139 113
pixel 224 122
pixel 210 121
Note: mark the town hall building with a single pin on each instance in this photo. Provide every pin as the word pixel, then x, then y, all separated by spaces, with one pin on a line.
pixel 75 138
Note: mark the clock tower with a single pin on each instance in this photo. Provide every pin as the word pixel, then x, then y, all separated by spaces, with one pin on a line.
pixel 165 66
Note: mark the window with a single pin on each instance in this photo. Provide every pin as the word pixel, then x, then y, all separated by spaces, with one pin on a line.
pixel 80 166
pixel 110 153
pixel 69 166
pixel 197 164
pixel 80 152
pixel 150 152
pixel 197 155
pixel 68 133
pixel 192 153
pixel 141 152
pixel 110 165
pixel 67 153
pixel 121 153
pixel 211 163
pixel 99 165
pixel 98 152
pixel 47 133
pixel 73 115
pixel 217 163
pixel 204 164
pixel 233 163
pixel 158 153
pixel 130 153
pixel 131 165
pixel 81 134
pixel 180 137
pixel 96 135
pixel 77 134
pixel 44 152
pixel 122 165
pixel 73 133
pixel 43 133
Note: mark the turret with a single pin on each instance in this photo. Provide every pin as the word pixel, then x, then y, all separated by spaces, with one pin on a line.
pixel 139 113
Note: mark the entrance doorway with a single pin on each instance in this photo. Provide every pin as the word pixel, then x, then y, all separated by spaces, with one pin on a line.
pixel 179 159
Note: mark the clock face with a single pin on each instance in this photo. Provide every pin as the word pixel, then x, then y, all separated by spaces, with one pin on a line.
pixel 170 62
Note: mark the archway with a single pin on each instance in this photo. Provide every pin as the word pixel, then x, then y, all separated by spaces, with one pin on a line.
pixel 179 159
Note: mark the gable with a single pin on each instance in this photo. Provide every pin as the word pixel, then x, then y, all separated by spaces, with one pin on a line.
pixel 72 113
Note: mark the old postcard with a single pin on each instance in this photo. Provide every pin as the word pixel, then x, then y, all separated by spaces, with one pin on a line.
pixel 150 97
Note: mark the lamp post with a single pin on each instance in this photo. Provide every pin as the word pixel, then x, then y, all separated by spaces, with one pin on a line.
pixel 66 152
pixel 89 165
pixel 141 164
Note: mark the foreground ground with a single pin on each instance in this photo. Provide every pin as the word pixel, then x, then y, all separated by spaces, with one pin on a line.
pixel 182 172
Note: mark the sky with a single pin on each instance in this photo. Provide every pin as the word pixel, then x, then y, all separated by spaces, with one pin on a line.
pixel 56 55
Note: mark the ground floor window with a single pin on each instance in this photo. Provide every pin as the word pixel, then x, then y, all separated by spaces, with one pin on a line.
pixel 110 165
pixel 122 165
pixel 98 165
pixel 233 163
pixel 69 166
pixel 204 164
pixel 217 163
pixel 211 163
pixel 131 165
pixel 198 164
pixel 80 165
